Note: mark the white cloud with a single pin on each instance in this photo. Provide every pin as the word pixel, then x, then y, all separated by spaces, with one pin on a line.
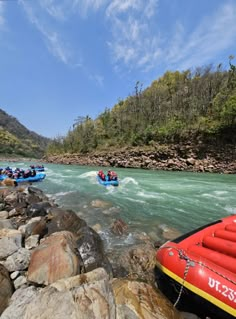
pixel 136 40
pixel 53 42
pixel 136 45
pixel 83 7
pixel 56 47
pixel 211 36
pixel 150 8
pixel 55 10
pixel 117 6
pixel 132 41
pixel 2 19
pixel 98 79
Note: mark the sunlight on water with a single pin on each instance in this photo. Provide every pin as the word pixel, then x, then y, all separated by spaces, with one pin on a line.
pixel 135 200
pixel 231 210
pixel 92 174
pixel 128 180
pixel 62 194
pixel 148 195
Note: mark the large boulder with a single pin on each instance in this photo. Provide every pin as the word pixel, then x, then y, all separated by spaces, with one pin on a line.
pixel 35 195
pixel 119 227
pixel 86 296
pixel 89 243
pixel 55 258
pixel 9 182
pixel 35 226
pixel 61 219
pixel 38 209
pixel 90 246
pixel 139 300
pixel 136 263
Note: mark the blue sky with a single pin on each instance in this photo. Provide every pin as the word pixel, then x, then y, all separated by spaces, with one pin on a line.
pixel 60 59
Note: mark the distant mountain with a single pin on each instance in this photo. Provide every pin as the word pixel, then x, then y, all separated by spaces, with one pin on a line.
pixel 17 140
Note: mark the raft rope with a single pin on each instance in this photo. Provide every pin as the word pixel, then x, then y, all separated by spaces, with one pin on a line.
pixel 182 255
pixel 188 261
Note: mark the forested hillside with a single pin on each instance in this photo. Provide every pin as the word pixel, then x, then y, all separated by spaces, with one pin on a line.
pixel 178 107
pixel 17 140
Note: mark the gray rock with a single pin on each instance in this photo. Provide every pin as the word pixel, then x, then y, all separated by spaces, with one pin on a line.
pixel 20 281
pixel 32 242
pixel 38 209
pixel 15 274
pixel 10 242
pixel 19 301
pixel 86 296
pixel 6 223
pixel 4 214
pixel 18 261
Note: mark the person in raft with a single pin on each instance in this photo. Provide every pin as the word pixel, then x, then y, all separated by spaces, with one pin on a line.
pixel 102 175
pixel 112 176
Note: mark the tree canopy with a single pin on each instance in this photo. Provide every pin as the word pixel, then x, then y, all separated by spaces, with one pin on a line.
pixel 202 101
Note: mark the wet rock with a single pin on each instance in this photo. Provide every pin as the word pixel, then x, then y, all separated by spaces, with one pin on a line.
pixel 154 236
pixel 97 228
pixel 137 262
pixel 91 249
pixel 89 243
pixel 119 227
pixel 35 195
pixel 169 233
pixel 38 209
pixel 100 204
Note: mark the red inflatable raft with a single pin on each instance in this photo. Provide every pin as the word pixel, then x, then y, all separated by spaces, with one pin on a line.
pixel 197 271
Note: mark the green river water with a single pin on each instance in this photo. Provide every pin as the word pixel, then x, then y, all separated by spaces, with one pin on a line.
pixel 147 201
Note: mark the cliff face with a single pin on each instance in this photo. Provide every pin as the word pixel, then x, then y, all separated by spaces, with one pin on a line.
pixel 195 157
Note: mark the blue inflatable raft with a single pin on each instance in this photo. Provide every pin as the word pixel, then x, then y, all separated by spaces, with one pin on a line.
pixel 31 179
pixel 107 183
pixel 39 169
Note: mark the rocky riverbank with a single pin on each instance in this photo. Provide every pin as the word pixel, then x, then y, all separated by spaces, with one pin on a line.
pixel 184 157
pixel 53 265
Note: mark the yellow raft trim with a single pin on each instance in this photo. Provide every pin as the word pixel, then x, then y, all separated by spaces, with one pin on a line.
pixel 198 291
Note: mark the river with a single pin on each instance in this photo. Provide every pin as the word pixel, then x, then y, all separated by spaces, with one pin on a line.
pixel 147 201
